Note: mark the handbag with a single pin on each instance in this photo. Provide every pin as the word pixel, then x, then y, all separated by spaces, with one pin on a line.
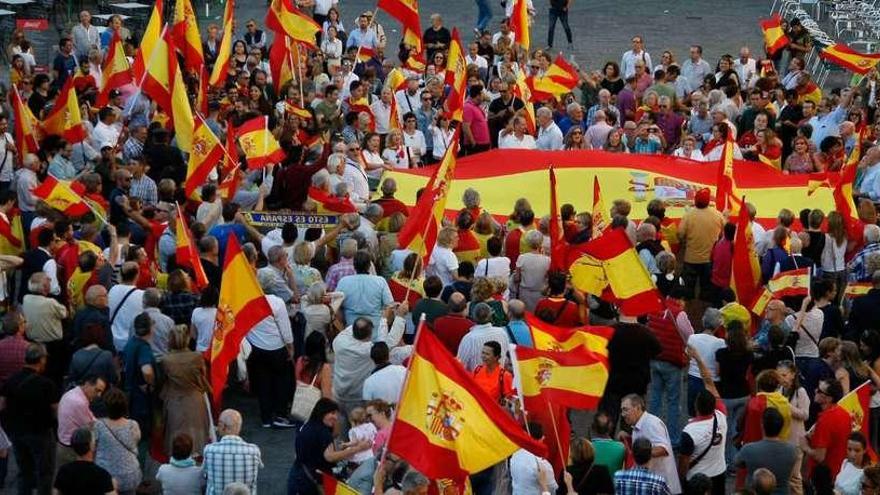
pixel 305 397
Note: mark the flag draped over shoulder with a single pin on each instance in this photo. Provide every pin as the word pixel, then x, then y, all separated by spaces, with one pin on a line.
pixel 610 268
pixel 745 277
pixel 846 57
pixel 809 92
pixel 752 430
pixel 600 214
pixel 561 78
pixel 205 154
pixel 152 34
pixel 25 131
pixel 774 36
pixel 115 72
pixel 519 23
pixel 284 18
pixel 185 29
pixel 456 78
pixel 419 233
pixel 407 12
pixel 242 305
pixel 259 145
pixel 446 425
pixel 186 254
pixel 64 196
pixel 549 337
pixel 65 119
pixel 573 378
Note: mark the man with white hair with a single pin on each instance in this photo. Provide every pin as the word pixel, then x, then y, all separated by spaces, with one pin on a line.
pixel 336 166
pixel 471 346
pixel 745 67
pixel 345 265
pixel 858 267
pixel 162 323
pixel 372 215
pixel 597 133
pixel 355 176
pixel 44 315
pixel 574 117
pixel 612 114
pixel 549 135
pixel 231 460
pixel 85 36
pixel 277 276
pixel 517 138
pixel 25 182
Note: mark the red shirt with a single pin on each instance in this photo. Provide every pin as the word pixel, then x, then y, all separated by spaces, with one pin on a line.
pixel 391 206
pixel 568 316
pixel 511 246
pixel 450 329
pixel 831 432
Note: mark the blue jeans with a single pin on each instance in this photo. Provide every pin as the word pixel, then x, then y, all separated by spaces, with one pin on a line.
pixel 484 14
pixel 665 387
pixel 735 408
pixel 695 386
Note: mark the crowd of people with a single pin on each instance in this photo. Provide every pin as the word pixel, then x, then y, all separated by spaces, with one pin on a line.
pixel 103 366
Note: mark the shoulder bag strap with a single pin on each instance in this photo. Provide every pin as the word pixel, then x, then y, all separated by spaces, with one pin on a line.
pixel 133 452
pixel 711 441
pixel 88 367
pixel 121 303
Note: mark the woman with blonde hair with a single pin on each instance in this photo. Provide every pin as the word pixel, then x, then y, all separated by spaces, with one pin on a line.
pixel 303 272
pixel 395 152
pixel 484 291
pixel 444 263
pixel 587 477
pixel 183 387
pixel 530 277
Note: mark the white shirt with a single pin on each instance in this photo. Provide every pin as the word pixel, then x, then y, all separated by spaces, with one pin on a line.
pixel 407 102
pixel 479 61
pixel 323 6
pixel 272 332
pixel 700 431
pixel 104 134
pixel 759 234
pixel 510 141
pixel 549 138
pixel 123 324
pixel 203 320
pixel 745 72
pixel 7 161
pixel 415 144
pixel 385 384
pixel 652 428
pixel 808 333
pixel 358 187
pixel 352 364
pixel 498 267
pixel 443 264
pixel 398 158
pixel 706 345
pixel 524 473
pixel 471 345
pixel 382 116
pixel 441 140
pixel 345 90
pixel 629 59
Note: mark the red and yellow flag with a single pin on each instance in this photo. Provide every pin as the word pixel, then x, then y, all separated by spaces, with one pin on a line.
pixel 228 13
pixel 333 486
pixel 519 23
pixel 774 36
pixel 560 79
pixel 411 290
pixel 187 255
pixel 858 403
pixel 842 185
pixel 549 337
pixel 419 233
pixel 846 57
pixel 64 196
pixel 522 91
pixel 229 170
pixel 11 233
pixel 857 289
pixel 772 158
pixel 259 145
pixel 181 110
pixel 407 12
pixel 752 430
pixel 415 62
pixel 116 71
pixel 456 78
pixel 573 378
pixel 158 80
pixel 726 194
pixel 365 54
pixel 557 241
pixel 26 129
pixel 446 425
pixel 281 61
pixel 328 203
pixel 152 34
pixel 809 92
pixel 242 305
pixel 202 95
pixel 205 154
pixel 790 283
pixel 610 268
pixel 601 215
pixel 185 29
pixel 745 279
pixel 285 19
pixel 224 54
pixel 65 119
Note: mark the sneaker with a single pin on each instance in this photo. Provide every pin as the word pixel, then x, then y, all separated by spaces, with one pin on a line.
pixel 267 425
pixel 282 423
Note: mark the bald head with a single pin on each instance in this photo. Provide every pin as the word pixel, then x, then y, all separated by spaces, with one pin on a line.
pixel 96 295
pixel 457 303
pixel 229 422
pixel 516 309
pixel 763 481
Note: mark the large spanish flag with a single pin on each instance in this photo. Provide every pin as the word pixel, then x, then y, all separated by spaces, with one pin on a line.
pixel 407 12
pixel 574 378
pixel 727 195
pixel 187 255
pixel 152 33
pixel 158 79
pixel 790 283
pixel 329 203
pixel 259 145
pixel 548 337
pixel 333 486
pixel 560 79
pixel 609 267
pixel 281 61
pixel 456 78
pixel 846 57
pixel 752 430
pixel 745 278
pixel 116 71
pixel 285 19
pixel 774 36
pixel 601 215
pixel 64 196
pixel 185 28
pixel 242 305
pixel 520 23
pixel 206 153
pixel 26 129
pixel 419 233
pixel 446 425
pixel 65 120
pixel 181 110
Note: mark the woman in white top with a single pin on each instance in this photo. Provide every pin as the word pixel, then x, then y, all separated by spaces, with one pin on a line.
pixel 688 149
pixel 444 263
pixel 808 324
pixel 849 479
pixel 394 151
pixel 335 22
pixel 441 135
pixel 531 271
pixel 413 139
pixel 331 45
pixel 203 318
pixel 834 253
pixel 374 162
pixel 95 67
pixel 495 266
pixel 799 402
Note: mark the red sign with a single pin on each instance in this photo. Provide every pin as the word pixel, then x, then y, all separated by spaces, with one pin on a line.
pixel 32 24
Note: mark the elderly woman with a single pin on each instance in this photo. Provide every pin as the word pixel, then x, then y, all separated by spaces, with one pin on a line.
pixel 530 276
pixel 648 246
pixel 444 263
pixel 320 307
pixel 483 291
pixel 471 200
pixel 336 168
pixel 394 151
pixel 303 272
pixel 688 149
pixel 183 387
pixel 179 301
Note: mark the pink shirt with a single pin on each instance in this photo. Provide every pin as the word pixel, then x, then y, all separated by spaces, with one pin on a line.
pixel 380 439
pixel 473 115
pixel 73 413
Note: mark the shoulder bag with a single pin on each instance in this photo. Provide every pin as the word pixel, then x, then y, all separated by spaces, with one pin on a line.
pixel 305 397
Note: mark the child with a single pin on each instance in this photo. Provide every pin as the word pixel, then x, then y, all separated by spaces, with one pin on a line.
pixel 361 429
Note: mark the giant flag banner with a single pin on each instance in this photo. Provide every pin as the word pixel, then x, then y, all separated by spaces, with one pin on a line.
pixel 242 305
pixel 187 254
pixel 115 71
pixel 64 196
pixel 284 18
pixel 65 120
pixel 774 36
pixel 846 57
pixel 574 378
pixel 259 145
pixel 549 337
pixel 446 425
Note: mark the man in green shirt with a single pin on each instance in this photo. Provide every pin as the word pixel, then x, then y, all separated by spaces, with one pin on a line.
pixel 609 452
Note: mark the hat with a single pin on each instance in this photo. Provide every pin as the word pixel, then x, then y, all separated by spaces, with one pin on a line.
pixel 701 199
pixel 114 93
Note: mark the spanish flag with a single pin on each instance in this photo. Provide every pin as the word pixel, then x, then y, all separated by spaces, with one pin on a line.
pixel 846 57
pixel 116 71
pixel 206 153
pixel 446 425
pixel 557 241
pixel 158 81
pixel 187 255
pixel 302 113
pixel 858 403
pixel 65 119
pixel 415 62
pixel 456 78
pixel 185 29
pixel 329 203
pixel 560 79
pixel 285 19
pixel 201 103
pixel 229 169
pixel 726 193
pixel 11 233
pixel 601 215
pixel 281 61
pixel 259 145
pixel 410 289
pixel 224 55
pixel 522 91
pixel 745 279
pixel 228 13
pixel 407 12
pixel 549 337
pixel 242 305
pixel 152 34
pixel 842 184
pixel 181 111
pixel 857 289
pixel 332 486
pixel 419 233
pixel 774 37
pixel 791 283
pixel 772 158
pixel 64 196
pixel 519 23
pixel 26 129
pixel 468 247
pixel 574 378
pixel 365 54
pixel 809 92
pixel 610 268
pixel 752 430
pixel 395 80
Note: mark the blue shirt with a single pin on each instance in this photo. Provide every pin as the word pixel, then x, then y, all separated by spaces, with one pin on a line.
pixel 646 146
pixel 366 39
pixel 222 231
pixel 639 481
pixel 869 185
pixel 365 295
pixel 762 337
pixel 827 125
pixel 522 334
pixel 61 168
